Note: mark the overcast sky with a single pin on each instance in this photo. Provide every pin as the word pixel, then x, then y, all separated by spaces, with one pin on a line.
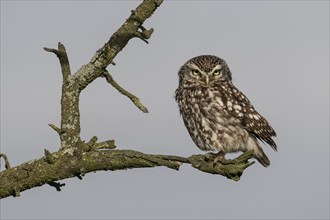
pixel 278 52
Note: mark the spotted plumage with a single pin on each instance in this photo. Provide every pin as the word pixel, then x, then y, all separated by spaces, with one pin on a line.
pixel 217 115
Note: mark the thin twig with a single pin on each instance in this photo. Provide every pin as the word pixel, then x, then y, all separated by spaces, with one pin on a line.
pixel 58 130
pixel 57 185
pixel 109 144
pixel 7 164
pixel 132 97
pixel 49 157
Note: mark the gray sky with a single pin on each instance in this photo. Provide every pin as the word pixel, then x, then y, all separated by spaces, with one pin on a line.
pixel 278 52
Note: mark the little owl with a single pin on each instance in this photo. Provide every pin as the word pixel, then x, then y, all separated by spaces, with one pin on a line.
pixel 217 115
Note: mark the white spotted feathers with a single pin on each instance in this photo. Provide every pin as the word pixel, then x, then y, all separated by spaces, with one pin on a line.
pixel 217 115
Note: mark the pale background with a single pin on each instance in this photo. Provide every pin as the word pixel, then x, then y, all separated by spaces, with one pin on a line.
pixel 278 52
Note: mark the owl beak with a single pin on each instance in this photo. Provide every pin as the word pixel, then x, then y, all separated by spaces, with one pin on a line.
pixel 207 80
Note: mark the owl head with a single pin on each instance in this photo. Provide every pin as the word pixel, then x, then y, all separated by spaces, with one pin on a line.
pixel 203 71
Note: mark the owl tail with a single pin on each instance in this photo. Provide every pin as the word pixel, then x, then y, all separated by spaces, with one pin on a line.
pixel 261 157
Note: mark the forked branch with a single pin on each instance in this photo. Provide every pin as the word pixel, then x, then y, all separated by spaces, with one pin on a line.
pixel 63 58
pixel 77 157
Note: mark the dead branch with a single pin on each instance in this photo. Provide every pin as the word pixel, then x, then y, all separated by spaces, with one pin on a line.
pixel 75 158
pixel 67 163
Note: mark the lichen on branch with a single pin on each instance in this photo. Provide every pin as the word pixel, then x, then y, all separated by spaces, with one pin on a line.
pixel 68 163
pixel 75 158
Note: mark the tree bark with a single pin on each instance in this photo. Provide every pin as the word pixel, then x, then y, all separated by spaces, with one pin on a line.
pixel 75 158
pixel 69 163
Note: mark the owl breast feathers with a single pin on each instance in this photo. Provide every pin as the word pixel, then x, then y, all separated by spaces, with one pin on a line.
pixel 216 114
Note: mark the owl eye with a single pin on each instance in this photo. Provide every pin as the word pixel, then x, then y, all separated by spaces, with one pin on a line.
pixel 217 72
pixel 195 72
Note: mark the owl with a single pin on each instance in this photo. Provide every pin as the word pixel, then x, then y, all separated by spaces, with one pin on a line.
pixel 218 116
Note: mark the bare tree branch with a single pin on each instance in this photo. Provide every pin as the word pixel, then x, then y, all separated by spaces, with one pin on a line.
pixel 76 157
pixel 68 163
pixel 63 57
pixel 132 97
pixel 70 117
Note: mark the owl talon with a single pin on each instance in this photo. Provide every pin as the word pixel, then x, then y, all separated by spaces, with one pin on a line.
pixel 218 158
pixel 222 160
pixel 210 156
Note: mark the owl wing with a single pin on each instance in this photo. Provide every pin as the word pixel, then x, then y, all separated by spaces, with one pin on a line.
pixel 239 106
pixel 258 126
